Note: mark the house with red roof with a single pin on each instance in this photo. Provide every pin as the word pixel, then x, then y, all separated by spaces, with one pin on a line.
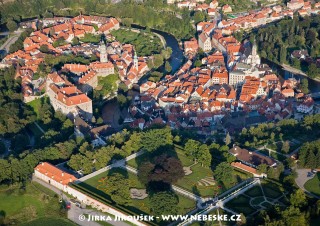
pixel 53 175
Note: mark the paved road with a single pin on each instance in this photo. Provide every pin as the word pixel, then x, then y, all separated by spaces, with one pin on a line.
pixel 75 212
pixel 11 40
pixel 302 179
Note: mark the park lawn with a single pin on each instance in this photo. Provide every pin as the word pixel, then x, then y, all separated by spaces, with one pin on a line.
pixel 50 221
pixel 190 182
pixel 147 157
pixel 241 204
pixel 271 190
pixel 134 182
pixel 185 204
pixel 313 185
pixel 36 104
pixel 254 192
pixel 36 201
pixel 257 200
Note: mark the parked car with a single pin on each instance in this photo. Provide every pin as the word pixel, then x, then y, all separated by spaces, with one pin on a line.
pixel 68 205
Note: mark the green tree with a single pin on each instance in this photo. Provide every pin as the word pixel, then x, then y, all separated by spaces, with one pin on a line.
pixel 228 139
pixel 199 16
pixel 298 198
pixel 224 173
pixel 157 60
pixel 243 220
pixel 164 169
pixel 304 86
pixel 44 49
pixel 118 187
pixel 285 147
pixel 313 71
pixel 167 67
pixel 20 142
pixel 203 156
pixel 166 53
pixel 75 41
pixel 164 203
pixel 262 168
pixel 154 139
pixel 11 25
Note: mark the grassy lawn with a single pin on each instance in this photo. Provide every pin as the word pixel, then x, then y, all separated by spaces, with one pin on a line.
pixel 50 221
pixel 258 200
pixel 313 185
pixel 36 104
pixel 33 202
pixel 271 190
pixel 254 192
pixel 241 204
pixel 190 182
pixel 137 206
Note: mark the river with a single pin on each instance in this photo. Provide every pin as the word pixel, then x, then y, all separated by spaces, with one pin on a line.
pixel 177 56
pixel 314 86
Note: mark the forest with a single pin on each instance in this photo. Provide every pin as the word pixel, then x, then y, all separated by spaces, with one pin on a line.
pixel 277 41
pixel 151 13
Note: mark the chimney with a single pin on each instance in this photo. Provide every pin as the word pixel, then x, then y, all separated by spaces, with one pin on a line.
pixel 62 174
pixel 42 163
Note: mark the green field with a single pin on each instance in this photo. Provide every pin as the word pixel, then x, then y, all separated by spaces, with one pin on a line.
pixel 271 190
pixel 313 185
pixel 36 104
pixel 190 182
pixel 241 204
pixel 23 205
pixel 50 222
pixel 137 206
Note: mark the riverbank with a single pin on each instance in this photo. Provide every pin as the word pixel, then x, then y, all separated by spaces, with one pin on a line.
pixel 314 85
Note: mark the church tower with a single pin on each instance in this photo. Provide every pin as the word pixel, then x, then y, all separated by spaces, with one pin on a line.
pixel 103 52
pixel 135 60
pixel 255 57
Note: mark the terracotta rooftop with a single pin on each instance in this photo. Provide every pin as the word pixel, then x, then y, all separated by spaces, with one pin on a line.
pixel 54 173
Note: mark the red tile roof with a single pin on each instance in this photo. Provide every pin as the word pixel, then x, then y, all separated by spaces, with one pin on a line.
pixel 54 173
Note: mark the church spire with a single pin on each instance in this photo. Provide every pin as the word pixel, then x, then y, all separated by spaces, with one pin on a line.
pixel 135 60
pixel 103 52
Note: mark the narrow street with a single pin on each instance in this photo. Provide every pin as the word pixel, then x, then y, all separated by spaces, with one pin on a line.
pixel 75 212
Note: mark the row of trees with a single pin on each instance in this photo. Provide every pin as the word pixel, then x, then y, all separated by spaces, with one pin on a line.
pixel 287 128
pixel 19 169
